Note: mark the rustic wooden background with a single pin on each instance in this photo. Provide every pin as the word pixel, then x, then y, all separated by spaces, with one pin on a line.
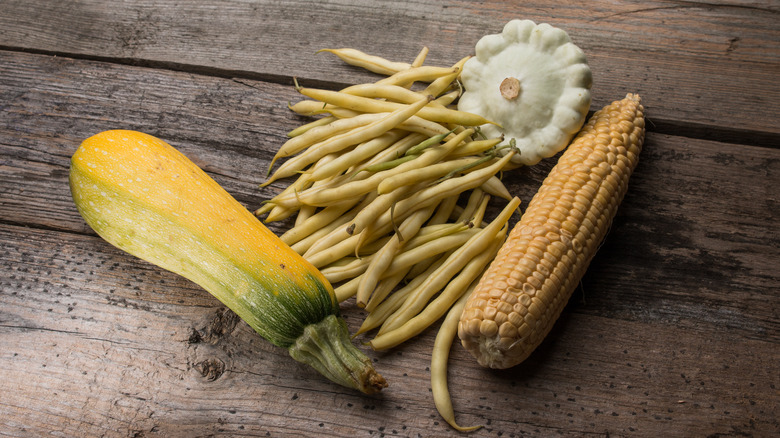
pixel 674 331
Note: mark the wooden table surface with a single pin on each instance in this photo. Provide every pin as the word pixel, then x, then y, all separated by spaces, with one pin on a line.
pixel 675 330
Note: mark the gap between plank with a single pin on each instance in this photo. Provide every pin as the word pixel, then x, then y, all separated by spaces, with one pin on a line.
pixel 662 126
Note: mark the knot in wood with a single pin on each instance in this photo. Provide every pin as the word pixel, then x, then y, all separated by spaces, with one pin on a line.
pixel 211 369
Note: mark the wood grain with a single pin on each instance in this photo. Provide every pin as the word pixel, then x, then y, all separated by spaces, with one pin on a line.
pixel 674 328
pixel 51 104
pixel 710 55
pixel 98 343
pixel 673 332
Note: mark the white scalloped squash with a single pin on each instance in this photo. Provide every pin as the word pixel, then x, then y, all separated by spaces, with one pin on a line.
pixel 533 82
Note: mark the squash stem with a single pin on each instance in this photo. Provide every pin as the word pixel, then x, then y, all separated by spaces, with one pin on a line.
pixel 326 347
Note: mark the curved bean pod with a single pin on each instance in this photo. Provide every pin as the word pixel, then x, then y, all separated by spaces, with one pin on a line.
pixel 439 357
pixel 455 289
pixel 476 245
pixel 346 139
pixel 372 63
pixel 382 259
pixel 368 105
pixel 428 173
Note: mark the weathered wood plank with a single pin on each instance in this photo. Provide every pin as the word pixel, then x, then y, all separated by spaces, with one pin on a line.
pixel 50 104
pixel 690 231
pixel 693 212
pixel 674 332
pixel 98 343
pixel 704 73
pixel 699 217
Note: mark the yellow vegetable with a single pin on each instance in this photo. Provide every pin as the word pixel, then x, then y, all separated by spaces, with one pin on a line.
pixel 373 63
pixel 146 198
pixel 526 287
pixel 439 357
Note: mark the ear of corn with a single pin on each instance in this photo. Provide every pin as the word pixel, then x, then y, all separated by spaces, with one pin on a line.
pixel 526 287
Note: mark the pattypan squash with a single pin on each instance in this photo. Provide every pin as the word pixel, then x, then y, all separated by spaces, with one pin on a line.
pixel 533 83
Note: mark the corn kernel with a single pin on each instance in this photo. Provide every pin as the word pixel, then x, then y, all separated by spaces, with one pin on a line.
pixel 489 313
pixel 488 328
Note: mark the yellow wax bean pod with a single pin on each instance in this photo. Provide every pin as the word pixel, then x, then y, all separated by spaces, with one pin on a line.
pixel 313 124
pixel 475 147
pixel 428 173
pixel 459 258
pixel 425 144
pixel 381 206
pixel 423 126
pixel 339 113
pixel 409 257
pixel 372 63
pixel 357 267
pixel 378 315
pixel 328 255
pixel 320 133
pixel 420 58
pixel 479 214
pixel 439 357
pixel 364 151
pixel 309 107
pixel 331 231
pixel 439 306
pixel 369 105
pixel 388 154
pixel 297 199
pixel 339 233
pixel 428 234
pixel 371 248
pixel 314 223
pixel 444 211
pixel 312 108
pixel 307 211
pixel 282 211
pixel 453 186
pixel 346 269
pixel 439 85
pixel 382 203
pixel 304 245
pixel 330 193
pixel 392 93
pixel 434 231
pixel 304 212
pixel 496 187
pixel 344 248
pixel 279 213
pixel 347 290
pixel 350 138
pixel 385 222
pixel 474 199
pixel 447 99
pixel 384 288
pixel 418 74
pixel 263 209
pixel 382 259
